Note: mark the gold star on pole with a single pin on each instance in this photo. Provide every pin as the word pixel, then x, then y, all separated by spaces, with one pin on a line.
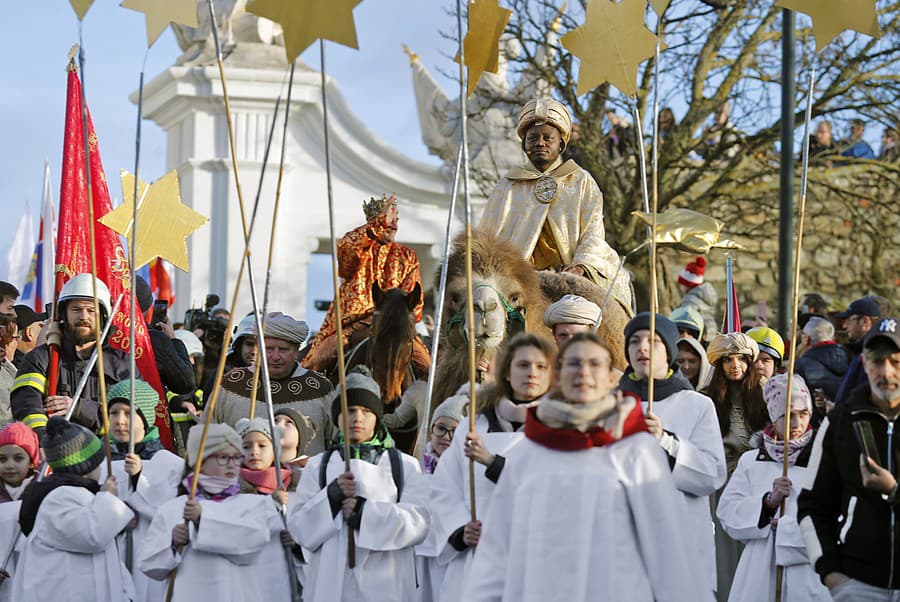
pixel 659 6
pixel 163 222
pixel 688 231
pixel 305 21
pixel 81 7
pixel 159 13
pixel 487 20
pixel 611 45
pixel 831 17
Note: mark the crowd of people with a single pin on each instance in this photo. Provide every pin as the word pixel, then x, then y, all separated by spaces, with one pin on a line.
pixel 682 474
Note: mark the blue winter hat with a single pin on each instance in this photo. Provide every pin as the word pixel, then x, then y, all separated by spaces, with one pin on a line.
pixel 665 329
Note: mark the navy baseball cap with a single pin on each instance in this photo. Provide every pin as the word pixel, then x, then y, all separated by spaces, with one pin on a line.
pixel 886 328
pixel 861 307
pixel 25 316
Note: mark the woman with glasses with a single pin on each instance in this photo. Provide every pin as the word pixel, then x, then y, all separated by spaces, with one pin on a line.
pixel 523 377
pixel 587 508
pixel 213 541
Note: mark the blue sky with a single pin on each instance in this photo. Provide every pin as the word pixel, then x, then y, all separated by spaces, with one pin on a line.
pixel 376 81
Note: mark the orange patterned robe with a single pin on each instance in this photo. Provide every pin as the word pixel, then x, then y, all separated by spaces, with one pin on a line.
pixel 363 258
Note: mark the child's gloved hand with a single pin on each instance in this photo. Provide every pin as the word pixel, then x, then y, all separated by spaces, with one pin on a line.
pixel 180 535
pixel 110 485
pixel 132 464
pixel 192 511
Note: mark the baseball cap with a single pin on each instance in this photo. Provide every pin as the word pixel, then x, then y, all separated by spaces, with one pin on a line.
pixel 25 316
pixel 886 328
pixel 861 307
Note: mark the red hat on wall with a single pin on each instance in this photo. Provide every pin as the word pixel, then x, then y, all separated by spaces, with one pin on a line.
pixel 692 274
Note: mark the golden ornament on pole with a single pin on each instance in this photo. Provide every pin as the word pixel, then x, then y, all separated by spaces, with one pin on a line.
pixel 305 21
pixel 688 231
pixel 81 7
pixel 487 20
pixel 165 221
pixel 611 45
pixel 160 13
pixel 659 6
pixel 831 17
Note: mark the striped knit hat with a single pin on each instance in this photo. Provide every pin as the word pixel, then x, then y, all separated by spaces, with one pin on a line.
pixel 692 274
pixel 362 390
pixel 70 448
pixel 145 398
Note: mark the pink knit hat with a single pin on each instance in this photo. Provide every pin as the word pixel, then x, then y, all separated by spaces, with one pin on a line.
pixel 775 395
pixel 17 433
pixel 692 274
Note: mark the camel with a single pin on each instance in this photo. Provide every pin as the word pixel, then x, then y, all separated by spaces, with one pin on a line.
pixel 509 296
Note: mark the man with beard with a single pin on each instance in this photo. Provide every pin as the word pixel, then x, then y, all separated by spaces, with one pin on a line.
pixel 29 399
pixel 848 507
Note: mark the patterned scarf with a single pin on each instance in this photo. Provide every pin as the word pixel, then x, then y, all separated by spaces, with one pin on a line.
pixel 775 447
pixel 214 489
pixel 584 428
pixel 369 451
pixel 146 448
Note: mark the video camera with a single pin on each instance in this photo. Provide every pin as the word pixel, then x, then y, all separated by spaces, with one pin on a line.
pixel 213 328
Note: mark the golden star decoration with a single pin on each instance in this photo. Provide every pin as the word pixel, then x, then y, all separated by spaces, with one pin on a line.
pixel 688 231
pixel 305 21
pixel 81 7
pixel 831 17
pixel 163 222
pixel 611 45
pixel 487 20
pixel 659 6
pixel 159 13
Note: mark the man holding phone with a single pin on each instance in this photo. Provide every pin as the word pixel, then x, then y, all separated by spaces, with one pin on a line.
pixel 848 508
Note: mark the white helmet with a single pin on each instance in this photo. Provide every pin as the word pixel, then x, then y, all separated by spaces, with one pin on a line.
pixel 191 342
pixel 245 328
pixel 82 287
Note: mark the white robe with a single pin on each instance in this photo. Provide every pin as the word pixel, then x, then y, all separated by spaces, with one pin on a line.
pixel 70 555
pixel 9 535
pixel 450 499
pixel 272 566
pixel 429 571
pixel 157 484
pixel 739 511
pixel 604 523
pixel 219 562
pixel 385 561
pixel 699 469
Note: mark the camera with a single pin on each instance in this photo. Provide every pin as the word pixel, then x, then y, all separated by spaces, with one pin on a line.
pixel 213 328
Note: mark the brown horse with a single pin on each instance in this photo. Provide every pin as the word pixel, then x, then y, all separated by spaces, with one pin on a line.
pixel 509 296
pixel 388 353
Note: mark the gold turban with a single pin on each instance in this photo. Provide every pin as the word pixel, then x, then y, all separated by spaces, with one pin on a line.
pixel 545 110
pixel 282 326
pixel 572 309
pixel 734 343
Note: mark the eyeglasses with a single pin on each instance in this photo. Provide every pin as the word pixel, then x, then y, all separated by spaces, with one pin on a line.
pixel 441 431
pixel 223 460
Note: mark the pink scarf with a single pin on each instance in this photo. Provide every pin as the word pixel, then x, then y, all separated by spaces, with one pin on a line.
pixel 265 480
pixel 775 447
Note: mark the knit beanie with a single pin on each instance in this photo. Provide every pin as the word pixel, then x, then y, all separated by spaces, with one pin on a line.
pixel 145 399
pixel 665 329
pixel 260 425
pixel 362 390
pixel 18 433
pixel 692 274
pixel 305 427
pixel 218 438
pixel 70 448
pixel 451 408
pixel 775 395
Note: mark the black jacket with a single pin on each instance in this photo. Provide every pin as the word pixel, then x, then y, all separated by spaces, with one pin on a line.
pixel 856 528
pixel 175 370
pixel 29 389
pixel 823 367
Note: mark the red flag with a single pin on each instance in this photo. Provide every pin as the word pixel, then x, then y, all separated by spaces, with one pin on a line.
pixel 73 250
pixel 160 283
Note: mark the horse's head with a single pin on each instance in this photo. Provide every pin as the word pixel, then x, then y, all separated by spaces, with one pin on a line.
pixel 392 334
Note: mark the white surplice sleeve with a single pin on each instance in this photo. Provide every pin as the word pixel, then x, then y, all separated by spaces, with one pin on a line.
pixel 700 461
pixel 390 525
pixel 741 503
pixel 81 522
pixel 310 520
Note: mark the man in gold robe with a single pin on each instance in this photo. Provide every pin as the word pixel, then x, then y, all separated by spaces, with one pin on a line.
pixel 553 210
pixel 366 255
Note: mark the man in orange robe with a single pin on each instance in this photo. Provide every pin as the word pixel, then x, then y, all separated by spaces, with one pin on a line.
pixel 366 255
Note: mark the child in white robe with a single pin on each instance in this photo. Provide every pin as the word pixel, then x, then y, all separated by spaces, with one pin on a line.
pixel 216 552
pixel 18 462
pixel 71 524
pixel 147 479
pixel 382 498
pixel 587 508
pixel 749 506
pixel 258 477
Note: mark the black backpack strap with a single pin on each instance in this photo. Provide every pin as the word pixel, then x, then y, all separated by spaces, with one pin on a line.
pixel 323 468
pixel 396 469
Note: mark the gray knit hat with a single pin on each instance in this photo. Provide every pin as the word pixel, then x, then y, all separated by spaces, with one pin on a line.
pixel 451 408
pixel 305 427
pixel 260 425
pixel 70 448
pixel 219 437
pixel 362 390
